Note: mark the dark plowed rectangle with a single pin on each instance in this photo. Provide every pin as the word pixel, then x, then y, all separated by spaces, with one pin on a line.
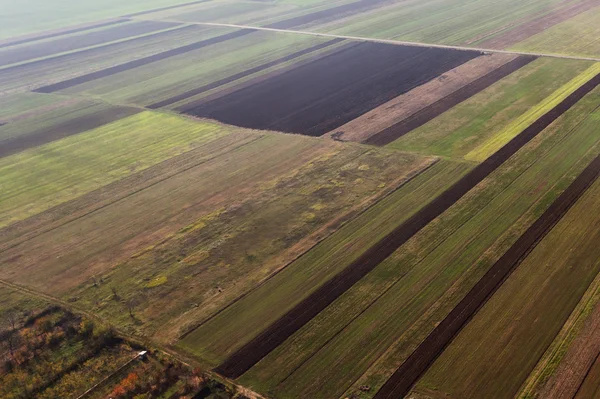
pixel 70 43
pixel 421 359
pixel 327 15
pixel 247 72
pixel 247 356
pixel 330 91
pixel 62 130
pixel 140 62
pixel 61 33
pixel 434 110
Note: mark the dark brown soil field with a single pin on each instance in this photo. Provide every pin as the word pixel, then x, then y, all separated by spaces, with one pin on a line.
pixel 70 43
pixel 327 15
pixel 318 97
pixel 401 128
pixel 62 130
pixel 537 25
pixel 49 35
pixel 247 72
pixel 409 372
pixel 142 61
pixel 242 360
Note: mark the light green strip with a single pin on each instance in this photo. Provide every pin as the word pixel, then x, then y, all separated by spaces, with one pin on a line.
pixel 497 141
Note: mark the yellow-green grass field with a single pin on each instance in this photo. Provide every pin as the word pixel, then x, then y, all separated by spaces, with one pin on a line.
pixel 495 353
pixel 483 151
pixel 577 36
pixel 36 119
pixel 477 127
pixel 40 178
pixel 366 333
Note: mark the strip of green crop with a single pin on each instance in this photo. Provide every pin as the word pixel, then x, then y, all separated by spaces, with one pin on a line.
pixel 37 179
pixel 486 149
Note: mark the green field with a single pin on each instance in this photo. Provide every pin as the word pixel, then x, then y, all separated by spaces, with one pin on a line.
pixel 546 288
pixel 124 213
pixel 577 36
pixel 363 336
pixel 195 236
pixel 496 112
pixel 41 178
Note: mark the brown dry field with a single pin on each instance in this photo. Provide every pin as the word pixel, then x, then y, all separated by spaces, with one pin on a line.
pixel 406 105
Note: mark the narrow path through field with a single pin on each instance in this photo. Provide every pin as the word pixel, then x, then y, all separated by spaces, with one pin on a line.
pixel 394 42
pixel 251 353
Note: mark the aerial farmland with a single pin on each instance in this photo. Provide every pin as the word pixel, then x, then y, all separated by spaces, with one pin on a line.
pixel 285 199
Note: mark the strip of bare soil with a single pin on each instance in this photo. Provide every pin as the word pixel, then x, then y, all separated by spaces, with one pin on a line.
pixel 49 35
pixel 420 97
pixel 247 72
pixel 536 26
pixel 247 356
pixel 577 363
pixel 140 62
pixel 420 360
pixel 434 110
pixel 330 91
pixel 71 43
pixel 65 129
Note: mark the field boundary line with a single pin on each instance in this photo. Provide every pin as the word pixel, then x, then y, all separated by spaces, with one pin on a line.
pixel 392 41
pixel 291 321
pixel 403 379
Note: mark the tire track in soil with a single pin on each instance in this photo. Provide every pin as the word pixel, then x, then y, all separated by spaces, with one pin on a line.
pixel 248 72
pixel 252 352
pixel 65 84
pixel 427 352
pixel 434 110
